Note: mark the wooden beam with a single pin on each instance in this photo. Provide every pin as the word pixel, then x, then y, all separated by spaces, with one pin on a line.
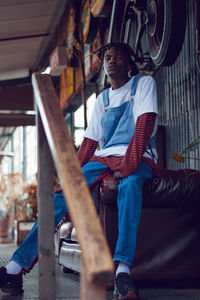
pixel 14 120
pixel 89 291
pixel 95 252
pixel 16 98
pixel 46 251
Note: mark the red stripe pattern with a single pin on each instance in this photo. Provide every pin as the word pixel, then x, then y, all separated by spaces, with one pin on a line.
pixel 138 144
pixel 86 150
pixel 129 163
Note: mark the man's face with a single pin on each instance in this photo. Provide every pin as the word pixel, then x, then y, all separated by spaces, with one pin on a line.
pixel 116 63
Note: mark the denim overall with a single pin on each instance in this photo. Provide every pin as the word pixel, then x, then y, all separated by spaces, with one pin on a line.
pixel 118 126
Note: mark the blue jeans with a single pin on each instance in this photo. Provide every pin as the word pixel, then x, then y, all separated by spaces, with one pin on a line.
pixel 129 209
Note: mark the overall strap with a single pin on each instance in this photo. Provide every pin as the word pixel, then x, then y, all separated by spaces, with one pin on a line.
pixel 134 85
pixel 105 97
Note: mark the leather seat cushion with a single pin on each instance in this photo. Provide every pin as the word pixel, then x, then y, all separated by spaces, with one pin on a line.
pixel 167 189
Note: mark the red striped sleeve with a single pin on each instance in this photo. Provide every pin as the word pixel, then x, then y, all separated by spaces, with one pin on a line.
pixel 86 150
pixel 138 144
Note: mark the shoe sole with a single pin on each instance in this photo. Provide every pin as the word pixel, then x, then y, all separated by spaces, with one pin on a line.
pixel 12 291
pixel 130 295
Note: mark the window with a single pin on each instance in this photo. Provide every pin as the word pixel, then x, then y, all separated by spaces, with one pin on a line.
pixel 79 119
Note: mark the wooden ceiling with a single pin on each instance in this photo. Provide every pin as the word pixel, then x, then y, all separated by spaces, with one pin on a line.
pixel 27 28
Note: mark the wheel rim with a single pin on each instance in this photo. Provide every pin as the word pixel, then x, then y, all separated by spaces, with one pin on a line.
pixel 155 27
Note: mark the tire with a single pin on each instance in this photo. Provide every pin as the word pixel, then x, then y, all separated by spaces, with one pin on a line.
pixel 165 30
pixel 124 19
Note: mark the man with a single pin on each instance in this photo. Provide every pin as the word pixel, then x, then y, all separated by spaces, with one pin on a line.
pixel 123 124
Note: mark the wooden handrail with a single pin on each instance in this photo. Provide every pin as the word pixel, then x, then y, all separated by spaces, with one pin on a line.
pixel 95 252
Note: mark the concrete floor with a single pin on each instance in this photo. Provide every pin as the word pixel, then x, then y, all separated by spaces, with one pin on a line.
pixel 67 286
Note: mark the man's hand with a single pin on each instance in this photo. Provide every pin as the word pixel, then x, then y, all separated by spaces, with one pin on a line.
pixel 118 175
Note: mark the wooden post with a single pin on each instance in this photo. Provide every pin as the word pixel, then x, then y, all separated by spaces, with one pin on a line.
pixel 46 251
pixel 88 290
pixel 82 62
pixel 95 251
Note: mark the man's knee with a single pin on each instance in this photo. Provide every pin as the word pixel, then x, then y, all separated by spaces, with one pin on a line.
pixel 59 201
pixel 131 180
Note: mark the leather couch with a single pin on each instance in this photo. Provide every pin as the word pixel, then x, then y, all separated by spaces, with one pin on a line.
pixel 168 243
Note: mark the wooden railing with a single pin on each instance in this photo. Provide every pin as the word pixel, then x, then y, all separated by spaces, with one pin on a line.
pixel 97 265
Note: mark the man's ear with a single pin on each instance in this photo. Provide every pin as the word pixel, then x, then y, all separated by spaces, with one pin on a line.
pixel 133 70
pixel 129 70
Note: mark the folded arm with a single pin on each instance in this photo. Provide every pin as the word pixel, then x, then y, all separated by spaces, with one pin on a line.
pixel 137 146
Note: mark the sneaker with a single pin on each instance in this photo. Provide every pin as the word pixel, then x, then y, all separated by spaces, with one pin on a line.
pixel 124 287
pixel 11 284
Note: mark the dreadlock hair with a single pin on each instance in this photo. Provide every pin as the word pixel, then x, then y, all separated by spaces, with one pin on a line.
pixel 126 48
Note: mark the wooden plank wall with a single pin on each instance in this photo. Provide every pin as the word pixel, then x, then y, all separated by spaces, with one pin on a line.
pixel 179 99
